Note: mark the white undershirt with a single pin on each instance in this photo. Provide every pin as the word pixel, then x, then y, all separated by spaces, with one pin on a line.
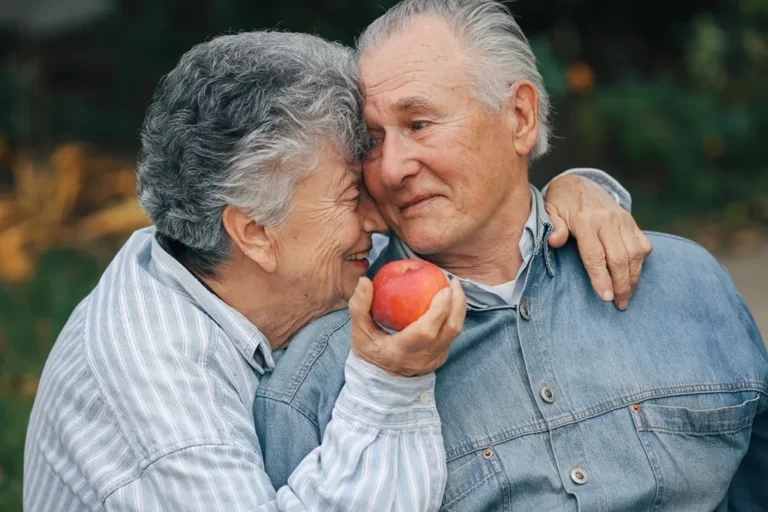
pixel 504 290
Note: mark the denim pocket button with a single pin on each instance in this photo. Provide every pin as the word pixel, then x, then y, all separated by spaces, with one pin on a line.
pixel 579 476
pixel 547 394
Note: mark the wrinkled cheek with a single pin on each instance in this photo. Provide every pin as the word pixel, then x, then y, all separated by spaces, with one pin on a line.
pixel 325 276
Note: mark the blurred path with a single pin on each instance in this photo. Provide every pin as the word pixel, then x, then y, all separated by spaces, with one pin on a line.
pixel 750 271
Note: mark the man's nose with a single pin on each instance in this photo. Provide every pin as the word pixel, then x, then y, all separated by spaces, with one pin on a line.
pixel 397 161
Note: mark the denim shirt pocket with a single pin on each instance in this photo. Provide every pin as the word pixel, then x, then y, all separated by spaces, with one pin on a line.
pixel 473 479
pixel 694 444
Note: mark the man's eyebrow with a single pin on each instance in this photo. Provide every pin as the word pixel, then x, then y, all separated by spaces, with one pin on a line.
pixel 414 102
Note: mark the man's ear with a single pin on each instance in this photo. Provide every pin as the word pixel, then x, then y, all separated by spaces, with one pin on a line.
pixel 251 238
pixel 521 111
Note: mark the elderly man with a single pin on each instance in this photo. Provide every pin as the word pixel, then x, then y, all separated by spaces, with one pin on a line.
pixel 250 173
pixel 551 399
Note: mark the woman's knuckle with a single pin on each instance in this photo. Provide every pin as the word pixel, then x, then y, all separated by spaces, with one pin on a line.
pixel 620 260
pixel 594 258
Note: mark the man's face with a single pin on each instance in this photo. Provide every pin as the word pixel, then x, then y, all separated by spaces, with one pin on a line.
pixel 441 163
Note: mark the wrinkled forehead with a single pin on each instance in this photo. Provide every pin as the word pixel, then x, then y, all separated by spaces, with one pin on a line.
pixel 424 55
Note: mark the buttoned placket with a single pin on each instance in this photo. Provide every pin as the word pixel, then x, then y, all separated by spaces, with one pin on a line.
pixel 551 399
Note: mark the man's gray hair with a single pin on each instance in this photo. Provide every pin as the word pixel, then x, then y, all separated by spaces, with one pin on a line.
pixel 239 121
pixel 499 53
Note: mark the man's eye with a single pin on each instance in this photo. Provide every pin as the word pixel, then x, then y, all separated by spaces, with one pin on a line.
pixel 419 125
pixel 373 142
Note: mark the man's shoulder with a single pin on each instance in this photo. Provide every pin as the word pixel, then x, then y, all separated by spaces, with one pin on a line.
pixel 690 267
pixel 312 367
pixel 675 246
pixel 677 264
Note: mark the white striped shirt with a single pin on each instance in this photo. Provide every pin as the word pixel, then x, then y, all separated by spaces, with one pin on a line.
pixel 146 400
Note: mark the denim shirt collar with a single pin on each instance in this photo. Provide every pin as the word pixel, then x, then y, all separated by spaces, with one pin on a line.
pixel 249 341
pixel 535 235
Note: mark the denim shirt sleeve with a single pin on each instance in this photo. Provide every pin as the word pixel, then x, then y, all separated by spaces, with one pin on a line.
pixel 748 491
pixel 602 178
pixel 382 450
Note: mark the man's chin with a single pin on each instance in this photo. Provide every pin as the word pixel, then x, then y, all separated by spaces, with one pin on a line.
pixel 425 243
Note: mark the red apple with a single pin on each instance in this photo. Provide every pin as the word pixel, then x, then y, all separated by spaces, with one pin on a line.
pixel 403 291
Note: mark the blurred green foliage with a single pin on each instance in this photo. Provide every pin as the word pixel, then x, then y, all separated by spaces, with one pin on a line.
pixel 688 141
pixel 671 97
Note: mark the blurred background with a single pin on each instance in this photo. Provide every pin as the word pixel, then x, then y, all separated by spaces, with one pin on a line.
pixel 669 97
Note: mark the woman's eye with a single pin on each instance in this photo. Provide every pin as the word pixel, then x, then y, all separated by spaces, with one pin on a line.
pixel 419 125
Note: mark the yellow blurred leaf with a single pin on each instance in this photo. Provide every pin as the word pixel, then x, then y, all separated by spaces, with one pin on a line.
pixel 6 209
pixel 120 218
pixel 100 164
pixel 124 182
pixel 67 164
pixel 15 261
pixel 29 185
pixel 103 187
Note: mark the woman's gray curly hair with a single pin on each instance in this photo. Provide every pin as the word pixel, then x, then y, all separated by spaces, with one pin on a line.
pixel 239 121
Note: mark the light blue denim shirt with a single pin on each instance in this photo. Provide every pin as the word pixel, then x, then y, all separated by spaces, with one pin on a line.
pixel 566 403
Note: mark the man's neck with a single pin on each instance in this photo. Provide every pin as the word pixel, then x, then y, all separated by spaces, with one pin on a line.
pixel 492 256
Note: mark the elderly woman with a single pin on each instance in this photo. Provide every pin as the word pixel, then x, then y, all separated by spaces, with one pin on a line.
pixel 250 173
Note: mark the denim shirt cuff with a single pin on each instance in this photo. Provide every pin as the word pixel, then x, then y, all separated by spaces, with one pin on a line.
pixel 602 178
pixel 377 399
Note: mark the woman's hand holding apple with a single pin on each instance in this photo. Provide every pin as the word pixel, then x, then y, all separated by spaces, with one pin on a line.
pixel 421 346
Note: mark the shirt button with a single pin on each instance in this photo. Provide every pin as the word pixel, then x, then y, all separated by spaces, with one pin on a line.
pixel 546 394
pixel 524 311
pixel 424 397
pixel 579 476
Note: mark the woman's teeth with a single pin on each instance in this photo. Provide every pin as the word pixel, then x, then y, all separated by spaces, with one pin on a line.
pixel 357 256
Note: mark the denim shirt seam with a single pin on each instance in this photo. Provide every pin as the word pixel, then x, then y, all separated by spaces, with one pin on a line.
pixel 296 405
pixel 672 237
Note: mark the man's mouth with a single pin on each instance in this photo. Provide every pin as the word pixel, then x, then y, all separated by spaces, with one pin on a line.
pixel 416 201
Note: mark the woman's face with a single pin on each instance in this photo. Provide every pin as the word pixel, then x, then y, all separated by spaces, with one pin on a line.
pixel 322 249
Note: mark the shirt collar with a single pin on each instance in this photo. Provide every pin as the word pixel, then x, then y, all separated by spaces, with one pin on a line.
pixel 249 341
pixel 480 296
